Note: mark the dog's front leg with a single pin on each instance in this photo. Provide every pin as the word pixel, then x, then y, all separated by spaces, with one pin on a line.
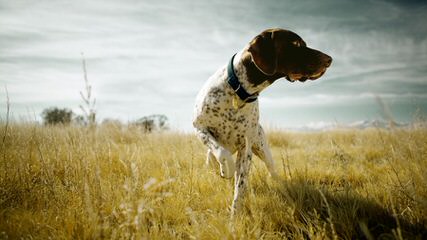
pixel 217 151
pixel 262 150
pixel 241 177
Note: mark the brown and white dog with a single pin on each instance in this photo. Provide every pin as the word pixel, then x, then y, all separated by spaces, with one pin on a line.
pixel 226 113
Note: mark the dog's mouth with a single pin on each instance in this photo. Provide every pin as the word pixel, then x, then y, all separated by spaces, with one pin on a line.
pixel 302 78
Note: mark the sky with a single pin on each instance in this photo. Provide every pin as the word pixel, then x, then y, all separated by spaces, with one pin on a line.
pixel 152 57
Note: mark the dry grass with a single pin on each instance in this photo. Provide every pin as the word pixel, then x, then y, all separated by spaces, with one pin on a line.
pixel 114 183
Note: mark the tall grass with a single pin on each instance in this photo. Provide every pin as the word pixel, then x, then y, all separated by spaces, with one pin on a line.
pixel 113 182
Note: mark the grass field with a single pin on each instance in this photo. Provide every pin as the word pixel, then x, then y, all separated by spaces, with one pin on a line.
pixel 117 183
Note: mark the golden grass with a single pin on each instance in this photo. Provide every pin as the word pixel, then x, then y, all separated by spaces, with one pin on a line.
pixel 116 183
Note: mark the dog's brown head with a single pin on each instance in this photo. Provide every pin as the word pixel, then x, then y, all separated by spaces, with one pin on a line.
pixel 281 52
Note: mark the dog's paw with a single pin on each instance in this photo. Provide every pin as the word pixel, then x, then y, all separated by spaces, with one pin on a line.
pixel 226 163
pixel 211 162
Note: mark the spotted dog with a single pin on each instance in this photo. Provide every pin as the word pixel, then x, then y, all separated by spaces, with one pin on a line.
pixel 226 112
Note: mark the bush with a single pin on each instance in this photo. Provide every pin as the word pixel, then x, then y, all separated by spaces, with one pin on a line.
pixel 54 115
pixel 152 123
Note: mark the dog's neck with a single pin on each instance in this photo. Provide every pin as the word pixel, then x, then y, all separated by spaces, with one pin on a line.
pixel 251 78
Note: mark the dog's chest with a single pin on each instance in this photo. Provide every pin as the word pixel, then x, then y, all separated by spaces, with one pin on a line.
pixel 227 122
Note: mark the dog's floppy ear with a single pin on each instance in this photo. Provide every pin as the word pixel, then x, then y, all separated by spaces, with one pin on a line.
pixel 263 53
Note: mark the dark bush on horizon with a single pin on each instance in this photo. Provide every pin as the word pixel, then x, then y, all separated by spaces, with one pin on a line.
pixel 152 123
pixel 55 115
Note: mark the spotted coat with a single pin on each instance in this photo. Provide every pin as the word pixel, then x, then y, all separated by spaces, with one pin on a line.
pixel 226 127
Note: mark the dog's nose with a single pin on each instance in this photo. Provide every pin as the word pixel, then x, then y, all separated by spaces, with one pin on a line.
pixel 328 60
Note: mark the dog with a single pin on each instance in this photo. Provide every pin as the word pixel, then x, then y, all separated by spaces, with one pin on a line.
pixel 226 113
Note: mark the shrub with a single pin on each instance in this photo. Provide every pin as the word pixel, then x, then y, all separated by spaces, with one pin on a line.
pixel 152 123
pixel 55 115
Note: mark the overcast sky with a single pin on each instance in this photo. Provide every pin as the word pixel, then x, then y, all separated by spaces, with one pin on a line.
pixel 152 57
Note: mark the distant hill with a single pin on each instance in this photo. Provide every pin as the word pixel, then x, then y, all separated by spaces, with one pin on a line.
pixel 363 124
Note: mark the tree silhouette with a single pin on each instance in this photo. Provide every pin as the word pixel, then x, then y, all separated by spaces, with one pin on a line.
pixel 54 115
pixel 152 123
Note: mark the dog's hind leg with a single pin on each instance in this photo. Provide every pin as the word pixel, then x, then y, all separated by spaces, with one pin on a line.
pixel 241 178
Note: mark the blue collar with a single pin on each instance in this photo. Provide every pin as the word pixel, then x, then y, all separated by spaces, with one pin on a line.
pixel 236 86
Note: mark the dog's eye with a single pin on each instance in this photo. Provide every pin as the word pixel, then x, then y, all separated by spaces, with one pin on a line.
pixel 296 43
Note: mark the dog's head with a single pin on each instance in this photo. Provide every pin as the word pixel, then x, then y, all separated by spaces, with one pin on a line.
pixel 282 52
